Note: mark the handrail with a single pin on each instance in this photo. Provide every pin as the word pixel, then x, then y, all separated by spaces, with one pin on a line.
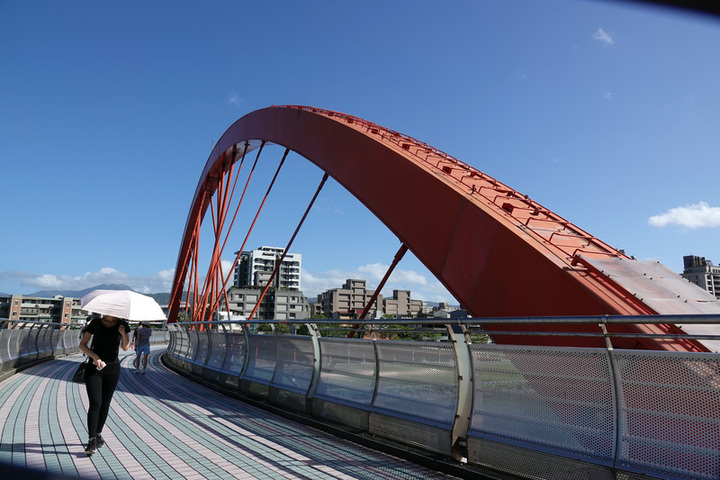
pixel 699 319
pixel 587 406
pixel 24 343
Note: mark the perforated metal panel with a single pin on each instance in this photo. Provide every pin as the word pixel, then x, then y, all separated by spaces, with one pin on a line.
pixel 670 415
pixel 263 356
pixel 235 357
pixel 202 347
pixel 56 340
pixel 417 381
pixel 531 464
pixel 6 337
pixel 294 367
pixel 44 344
pixel 216 355
pixel 347 371
pixel 548 399
pixel 192 347
pixel 27 343
pixel 409 432
pixel 538 412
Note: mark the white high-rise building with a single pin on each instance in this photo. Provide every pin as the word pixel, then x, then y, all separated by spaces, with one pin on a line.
pixel 702 273
pixel 256 266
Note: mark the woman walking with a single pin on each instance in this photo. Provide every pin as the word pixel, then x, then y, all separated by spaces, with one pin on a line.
pixel 108 334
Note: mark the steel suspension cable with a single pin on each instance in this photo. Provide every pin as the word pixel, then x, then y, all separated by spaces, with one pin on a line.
pixel 225 195
pixel 252 225
pixel 216 300
pixel 398 256
pixel 292 239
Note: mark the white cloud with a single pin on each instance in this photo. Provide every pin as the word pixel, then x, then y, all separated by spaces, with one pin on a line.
pixel 602 36
pixel 20 282
pixel 227 267
pixel 418 283
pixel 235 100
pixel 326 205
pixel 48 281
pixel 421 287
pixel 699 215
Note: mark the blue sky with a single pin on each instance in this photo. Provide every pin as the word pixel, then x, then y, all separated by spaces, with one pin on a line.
pixel 604 112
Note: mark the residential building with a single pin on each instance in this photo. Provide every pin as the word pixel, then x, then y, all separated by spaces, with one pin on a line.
pixel 283 301
pixel 349 301
pixel 401 305
pixel 277 304
pixel 702 273
pixel 255 267
pixel 57 309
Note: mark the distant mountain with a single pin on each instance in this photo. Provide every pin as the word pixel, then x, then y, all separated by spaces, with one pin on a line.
pixel 78 293
pixel 161 298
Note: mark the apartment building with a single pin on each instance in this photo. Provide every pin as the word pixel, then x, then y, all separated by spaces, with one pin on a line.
pixel 277 304
pixel 57 309
pixel 348 301
pixel 255 268
pixel 702 273
pixel 283 301
pixel 401 305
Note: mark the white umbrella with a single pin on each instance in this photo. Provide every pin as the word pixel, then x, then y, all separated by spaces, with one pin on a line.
pixel 122 304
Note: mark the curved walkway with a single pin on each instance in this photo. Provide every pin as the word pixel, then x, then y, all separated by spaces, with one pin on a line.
pixel 162 426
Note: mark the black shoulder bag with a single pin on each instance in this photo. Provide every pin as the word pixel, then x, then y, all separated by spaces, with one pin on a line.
pixel 79 375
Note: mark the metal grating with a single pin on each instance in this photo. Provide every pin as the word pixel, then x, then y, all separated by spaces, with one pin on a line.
pixel 557 401
pixel 217 350
pixel 263 355
pixel 347 371
pixel 534 465
pixel 294 367
pixel 670 417
pixel 411 433
pixel 421 374
pixel 235 356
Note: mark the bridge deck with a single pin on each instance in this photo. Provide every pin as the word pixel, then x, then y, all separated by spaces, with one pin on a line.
pixel 162 426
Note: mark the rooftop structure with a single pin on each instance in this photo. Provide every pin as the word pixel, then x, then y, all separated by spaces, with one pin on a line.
pixel 702 273
pixel 255 267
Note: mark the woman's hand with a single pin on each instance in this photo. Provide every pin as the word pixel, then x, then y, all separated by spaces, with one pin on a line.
pixel 124 340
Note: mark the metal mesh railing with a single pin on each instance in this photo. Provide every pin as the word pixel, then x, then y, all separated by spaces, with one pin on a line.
pixel 23 343
pixel 529 411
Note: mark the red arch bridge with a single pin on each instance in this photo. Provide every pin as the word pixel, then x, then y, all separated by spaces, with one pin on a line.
pixel 584 312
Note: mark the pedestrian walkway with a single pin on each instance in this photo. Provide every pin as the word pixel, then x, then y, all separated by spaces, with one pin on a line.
pixel 163 426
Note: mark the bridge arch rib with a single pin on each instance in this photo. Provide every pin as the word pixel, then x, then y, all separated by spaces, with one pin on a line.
pixel 497 251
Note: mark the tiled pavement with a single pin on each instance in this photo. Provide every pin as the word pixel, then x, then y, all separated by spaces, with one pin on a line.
pixel 163 426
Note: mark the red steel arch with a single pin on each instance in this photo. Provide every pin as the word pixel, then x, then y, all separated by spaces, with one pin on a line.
pixel 498 252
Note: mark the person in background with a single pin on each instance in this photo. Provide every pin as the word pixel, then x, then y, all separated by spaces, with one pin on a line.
pixel 108 334
pixel 141 337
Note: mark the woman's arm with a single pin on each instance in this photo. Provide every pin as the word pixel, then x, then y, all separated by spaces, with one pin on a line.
pixel 86 350
pixel 125 340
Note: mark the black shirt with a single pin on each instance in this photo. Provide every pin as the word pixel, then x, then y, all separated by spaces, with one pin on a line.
pixel 106 340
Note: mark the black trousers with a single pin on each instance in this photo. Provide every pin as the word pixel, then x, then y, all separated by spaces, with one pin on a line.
pixel 100 388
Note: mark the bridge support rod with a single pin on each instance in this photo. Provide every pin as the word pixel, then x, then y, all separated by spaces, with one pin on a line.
pixel 292 239
pixel 398 256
